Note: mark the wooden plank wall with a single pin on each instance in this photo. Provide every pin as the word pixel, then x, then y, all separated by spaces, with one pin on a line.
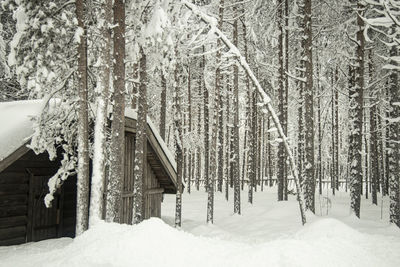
pixel 14 197
pixel 14 188
pixel 127 193
pixel 152 197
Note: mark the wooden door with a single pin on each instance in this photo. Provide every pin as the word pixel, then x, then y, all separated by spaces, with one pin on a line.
pixel 43 222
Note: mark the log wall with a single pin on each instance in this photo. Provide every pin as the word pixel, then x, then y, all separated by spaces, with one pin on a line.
pixel 15 204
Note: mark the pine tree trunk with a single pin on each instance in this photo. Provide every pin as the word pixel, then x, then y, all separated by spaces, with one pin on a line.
pixel 286 95
pixel 281 97
pixel 236 162
pixel 253 147
pixel 365 151
pixel 198 153
pixel 250 146
pixel 337 143
pixel 373 141
pixel 82 207
pixel 394 141
pixel 99 154
pixel 220 112
pixel 333 171
pixel 309 181
pixel 270 169
pixel 191 155
pixel 116 172
pixel 141 142
pixel 228 142
pixel 319 90
pixel 163 111
pixel 206 121
pixel 356 118
pixel 178 147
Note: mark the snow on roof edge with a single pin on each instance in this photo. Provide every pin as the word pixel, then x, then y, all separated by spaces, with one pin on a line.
pixel 130 113
pixel 17 125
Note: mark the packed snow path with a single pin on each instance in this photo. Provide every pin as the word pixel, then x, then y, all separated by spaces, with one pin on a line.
pixel 266 234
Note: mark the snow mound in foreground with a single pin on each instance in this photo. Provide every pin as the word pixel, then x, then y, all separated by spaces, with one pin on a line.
pixel 325 242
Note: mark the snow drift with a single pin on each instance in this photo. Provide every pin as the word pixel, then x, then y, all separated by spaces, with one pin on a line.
pixel 327 242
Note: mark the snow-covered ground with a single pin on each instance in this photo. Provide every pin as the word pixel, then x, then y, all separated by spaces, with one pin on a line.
pixel 267 233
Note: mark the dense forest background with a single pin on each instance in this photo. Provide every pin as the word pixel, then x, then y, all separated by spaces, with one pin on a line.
pixel 216 77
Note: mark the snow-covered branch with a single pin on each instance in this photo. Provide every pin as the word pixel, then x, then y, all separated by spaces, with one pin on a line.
pixel 266 100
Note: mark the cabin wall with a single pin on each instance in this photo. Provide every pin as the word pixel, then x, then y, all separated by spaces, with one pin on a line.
pixel 152 193
pixel 127 185
pixel 17 201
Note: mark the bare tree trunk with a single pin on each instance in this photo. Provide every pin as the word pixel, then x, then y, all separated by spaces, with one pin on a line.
pixel 250 141
pixel 198 153
pixel 333 171
pixel 336 99
pixel 236 162
pixel 178 147
pixel 394 141
pixel 309 182
pixel 269 162
pixel 228 144
pixel 281 97
pixel 219 88
pixel 286 94
pixel 99 160
pixel 114 189
pixel 365 151
pixel 163 111
pixel 214 129
pixel 319 90
pixel 82 207
pixel 253 147
pixel 206 121
pixel 141 142
pixel 191 155
pixel 373 141
pixel 356 117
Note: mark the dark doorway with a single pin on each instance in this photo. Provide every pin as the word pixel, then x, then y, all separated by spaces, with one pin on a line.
pixel 43 222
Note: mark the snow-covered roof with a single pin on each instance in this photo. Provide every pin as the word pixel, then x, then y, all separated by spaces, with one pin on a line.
pixel 16 124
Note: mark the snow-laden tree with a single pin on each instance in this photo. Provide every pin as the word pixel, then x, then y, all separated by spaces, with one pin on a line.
pixel 45 69
pixel 384 20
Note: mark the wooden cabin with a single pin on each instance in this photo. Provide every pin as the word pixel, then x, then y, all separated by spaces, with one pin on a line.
pixel 23 186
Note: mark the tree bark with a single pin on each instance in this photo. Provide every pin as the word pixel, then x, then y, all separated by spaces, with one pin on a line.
pixel 236 162
pixel 163 112
pixel 356 118
pixel 394 141
pixel 309 182
pixel 282 98
pixel 116 173
pixel 141 142
pixel 373 141
pixel 206 121
pixel 99 154
pixel 82 207
pixel 178 146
